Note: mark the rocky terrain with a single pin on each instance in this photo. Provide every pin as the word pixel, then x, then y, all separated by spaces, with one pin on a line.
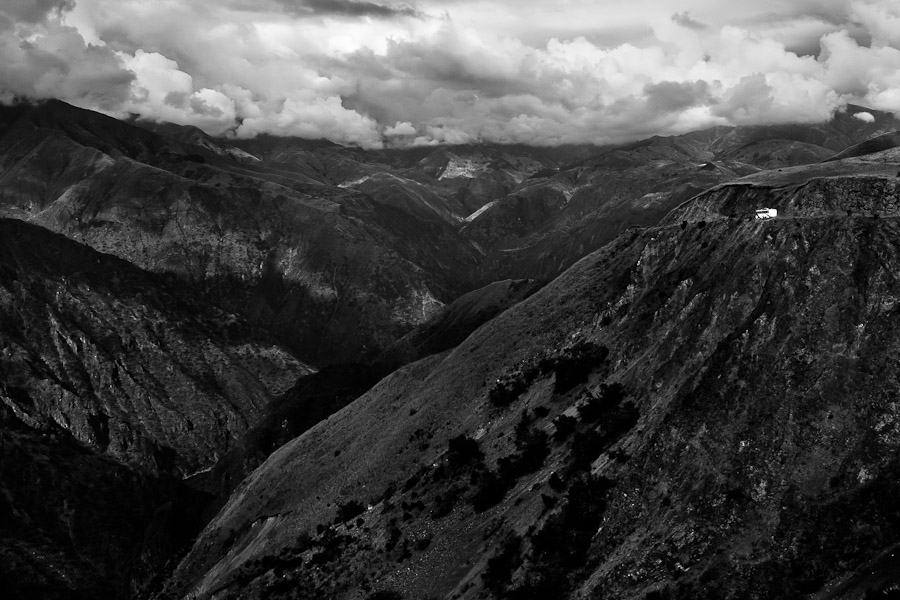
pixel 333 273
pixel 455 372
pixel 123 360
pixel 318 395
pixel 698 410
pixel 115 385
pixel 339 252
pixel 555 218
pixel 75 524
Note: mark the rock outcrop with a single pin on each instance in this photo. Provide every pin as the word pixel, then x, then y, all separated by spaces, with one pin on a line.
pixel 697 411
pixel 127 362
pixel 76 525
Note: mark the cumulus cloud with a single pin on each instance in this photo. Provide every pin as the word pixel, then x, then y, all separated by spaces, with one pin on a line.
pixel 34 11
pixel 314 117
pixel 351 8
pixel 865 117
pixel 404 128
pixel 372 72
pixel 42 58
pixel 167 93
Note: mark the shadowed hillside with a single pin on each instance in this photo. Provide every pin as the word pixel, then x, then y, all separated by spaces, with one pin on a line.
pixel 124 360
pixel 339 252
pixel 698 409
pixel 695 411
pixel 333 273
pixel 114 384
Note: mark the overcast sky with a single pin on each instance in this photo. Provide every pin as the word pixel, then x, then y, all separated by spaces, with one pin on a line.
pixel 385 72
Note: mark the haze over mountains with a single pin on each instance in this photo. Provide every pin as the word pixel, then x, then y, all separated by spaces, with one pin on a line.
pixel 697 404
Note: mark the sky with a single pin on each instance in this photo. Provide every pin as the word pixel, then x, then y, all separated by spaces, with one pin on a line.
pixel 385 73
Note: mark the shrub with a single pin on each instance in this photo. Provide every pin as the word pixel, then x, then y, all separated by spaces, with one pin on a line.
pixel 349 510
pixel 500 567
pixel 607 398
pixel 619 421
pixel 502 393
pixel 564 425
pixel 556 483
pixel 463 451
pixel 532 448
pixel 586 447
pixel 443 504
pixel 412 482
pixel 561 546
pixel 549 501
pixel 304 542
pixel 393 536
pixel 616 422
pixel 575 364
pixel 331 546
pixel 490 491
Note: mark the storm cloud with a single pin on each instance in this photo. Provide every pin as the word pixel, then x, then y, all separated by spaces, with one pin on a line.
pixel 357 9
pixel 375 73
pixel 42 58
pixel 685 20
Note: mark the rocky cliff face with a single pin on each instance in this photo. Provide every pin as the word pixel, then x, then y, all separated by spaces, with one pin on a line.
pixel 858 186
pixel 702 410
pixel 127 362
pixel 115 384
pixel 78 525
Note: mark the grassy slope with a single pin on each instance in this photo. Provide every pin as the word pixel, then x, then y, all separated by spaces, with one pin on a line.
pixel 755 353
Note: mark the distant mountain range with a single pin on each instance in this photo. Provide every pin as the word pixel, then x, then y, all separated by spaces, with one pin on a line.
pixel 595 374
pixel 339 251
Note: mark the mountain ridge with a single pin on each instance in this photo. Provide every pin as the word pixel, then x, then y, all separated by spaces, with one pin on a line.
pixel 650 324
pixel 713 330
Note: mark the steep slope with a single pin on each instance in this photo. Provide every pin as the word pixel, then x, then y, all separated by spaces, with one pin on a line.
pixel 334 273
pixel 114 385
pixel 453 324
pixel 879 143
pixel 548 224
pixel 553 219
pixel 76 525
pixel 341 251
pixel 862 185
pixel 699 410
pixel 127 362
pixel 318 395
pixel 194 136
pixel 774 146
